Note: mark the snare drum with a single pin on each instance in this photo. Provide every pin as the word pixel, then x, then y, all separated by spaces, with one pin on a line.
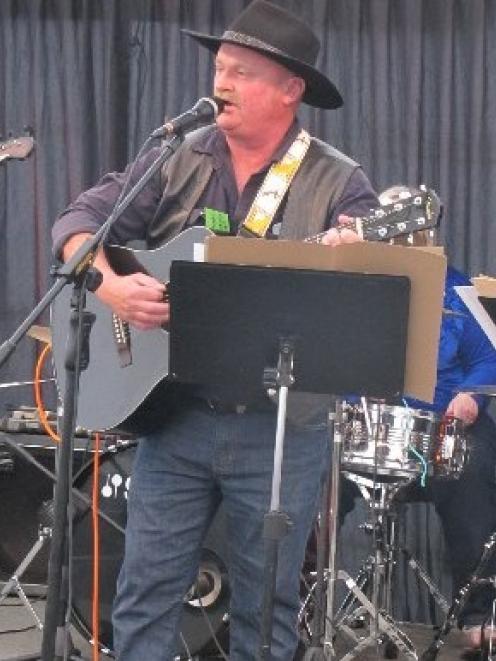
pixel 391 446
pixel 450 449
pixel 401 442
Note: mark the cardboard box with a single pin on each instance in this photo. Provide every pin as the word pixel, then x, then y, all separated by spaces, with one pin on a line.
pixel 425 268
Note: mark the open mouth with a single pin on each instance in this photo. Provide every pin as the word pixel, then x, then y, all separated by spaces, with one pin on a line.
pixel 228 104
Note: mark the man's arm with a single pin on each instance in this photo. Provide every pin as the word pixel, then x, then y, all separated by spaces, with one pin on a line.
pixel 477 356
pixel 92 208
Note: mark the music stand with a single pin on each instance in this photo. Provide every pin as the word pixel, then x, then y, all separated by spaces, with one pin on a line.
pixel 321 332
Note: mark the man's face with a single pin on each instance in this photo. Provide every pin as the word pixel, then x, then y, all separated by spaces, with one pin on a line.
pixel 256 90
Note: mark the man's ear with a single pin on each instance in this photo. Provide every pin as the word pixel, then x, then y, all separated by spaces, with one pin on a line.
pixel 295 88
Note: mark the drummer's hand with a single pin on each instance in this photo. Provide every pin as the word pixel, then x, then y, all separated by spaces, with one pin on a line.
pixel 464 407
pixel 136 298
pixel 341 234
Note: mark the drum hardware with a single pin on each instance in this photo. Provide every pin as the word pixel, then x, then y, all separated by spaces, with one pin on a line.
pixel 376 577
pixel 461 598
pixel 404 442
pixel 436 593
pixel 406 439
pixel 383 629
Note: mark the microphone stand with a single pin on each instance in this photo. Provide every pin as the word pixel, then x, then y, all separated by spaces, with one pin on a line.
pixel 79 271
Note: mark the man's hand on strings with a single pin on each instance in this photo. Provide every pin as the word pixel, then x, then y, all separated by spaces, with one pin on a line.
pixel 341 234
pixel 137 298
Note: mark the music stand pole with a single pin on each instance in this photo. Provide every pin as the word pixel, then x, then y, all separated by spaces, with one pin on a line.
pixel 228 322
pixel 276 522
pixel 337 449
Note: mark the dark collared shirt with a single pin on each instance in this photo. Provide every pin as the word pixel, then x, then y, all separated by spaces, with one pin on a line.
pixel 92 207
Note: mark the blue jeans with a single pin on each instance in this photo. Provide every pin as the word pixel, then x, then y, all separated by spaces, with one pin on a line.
pixel 180 476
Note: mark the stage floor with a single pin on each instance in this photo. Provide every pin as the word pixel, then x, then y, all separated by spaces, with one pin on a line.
pixel 24 642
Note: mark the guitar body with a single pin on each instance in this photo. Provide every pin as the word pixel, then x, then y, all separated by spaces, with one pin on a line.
pixel 125 389
pixel 111 395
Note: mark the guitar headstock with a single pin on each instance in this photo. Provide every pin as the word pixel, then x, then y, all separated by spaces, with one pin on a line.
pixel 16 148
pixel 413 212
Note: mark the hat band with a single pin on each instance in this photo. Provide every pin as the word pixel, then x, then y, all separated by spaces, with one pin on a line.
pixel 253 42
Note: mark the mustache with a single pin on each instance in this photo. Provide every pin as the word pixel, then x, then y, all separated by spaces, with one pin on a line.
pixel 227 98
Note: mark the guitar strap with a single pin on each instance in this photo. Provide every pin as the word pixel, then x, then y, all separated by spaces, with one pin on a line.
pixel 274 188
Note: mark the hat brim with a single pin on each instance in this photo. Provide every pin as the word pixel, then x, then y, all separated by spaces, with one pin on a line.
pixel 320 92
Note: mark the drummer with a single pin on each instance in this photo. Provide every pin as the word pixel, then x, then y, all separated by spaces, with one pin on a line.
pixel 466 506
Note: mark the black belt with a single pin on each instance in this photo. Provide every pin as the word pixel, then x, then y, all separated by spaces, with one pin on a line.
pixel 221 406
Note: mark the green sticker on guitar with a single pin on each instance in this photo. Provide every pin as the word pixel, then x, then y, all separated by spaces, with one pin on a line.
pixel 217 221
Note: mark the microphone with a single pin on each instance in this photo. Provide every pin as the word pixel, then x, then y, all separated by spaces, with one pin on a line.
pixel 203 112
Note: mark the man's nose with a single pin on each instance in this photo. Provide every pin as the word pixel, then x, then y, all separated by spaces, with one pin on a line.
pixel 223 81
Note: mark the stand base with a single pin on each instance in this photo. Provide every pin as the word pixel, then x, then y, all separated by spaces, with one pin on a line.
pixel 385 624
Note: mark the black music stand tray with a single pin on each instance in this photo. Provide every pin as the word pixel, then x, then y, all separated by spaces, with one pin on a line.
pixel 250 327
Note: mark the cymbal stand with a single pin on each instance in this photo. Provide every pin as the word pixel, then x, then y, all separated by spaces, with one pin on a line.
pixel 461 599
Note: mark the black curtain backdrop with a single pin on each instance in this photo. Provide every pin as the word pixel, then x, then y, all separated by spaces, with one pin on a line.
pixel 93 78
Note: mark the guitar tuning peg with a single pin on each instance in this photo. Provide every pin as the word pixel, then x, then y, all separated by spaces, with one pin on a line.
pixel 423 187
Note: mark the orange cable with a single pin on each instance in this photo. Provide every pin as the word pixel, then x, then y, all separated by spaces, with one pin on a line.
pixel 95 613
pixel 38 397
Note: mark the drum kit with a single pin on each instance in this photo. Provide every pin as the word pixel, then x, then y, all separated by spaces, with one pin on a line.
pixel 383 449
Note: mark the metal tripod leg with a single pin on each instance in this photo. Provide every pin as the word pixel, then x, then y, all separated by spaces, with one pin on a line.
pixel 384 623
pixel 14 584
pixel 460 600
pixel 379 572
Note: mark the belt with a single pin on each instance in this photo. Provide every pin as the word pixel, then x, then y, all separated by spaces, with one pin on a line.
pixel 220 406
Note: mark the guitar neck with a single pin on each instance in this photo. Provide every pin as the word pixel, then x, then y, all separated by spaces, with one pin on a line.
pixel 416 213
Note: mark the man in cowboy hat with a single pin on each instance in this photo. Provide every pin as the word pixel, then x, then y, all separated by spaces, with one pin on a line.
pixel 213 449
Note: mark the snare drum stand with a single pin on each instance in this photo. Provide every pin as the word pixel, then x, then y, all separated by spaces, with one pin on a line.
pixel 377 570
pixel 378 574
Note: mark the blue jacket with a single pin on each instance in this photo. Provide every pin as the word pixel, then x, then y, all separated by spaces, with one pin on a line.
pixel 466 357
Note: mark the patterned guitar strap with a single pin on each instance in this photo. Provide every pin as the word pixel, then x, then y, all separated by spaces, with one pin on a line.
pixel 274 188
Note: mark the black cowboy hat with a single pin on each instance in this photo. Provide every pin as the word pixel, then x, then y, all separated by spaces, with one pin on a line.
pixel 280 35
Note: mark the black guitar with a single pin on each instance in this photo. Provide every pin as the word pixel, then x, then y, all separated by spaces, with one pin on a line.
pixel 126 365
